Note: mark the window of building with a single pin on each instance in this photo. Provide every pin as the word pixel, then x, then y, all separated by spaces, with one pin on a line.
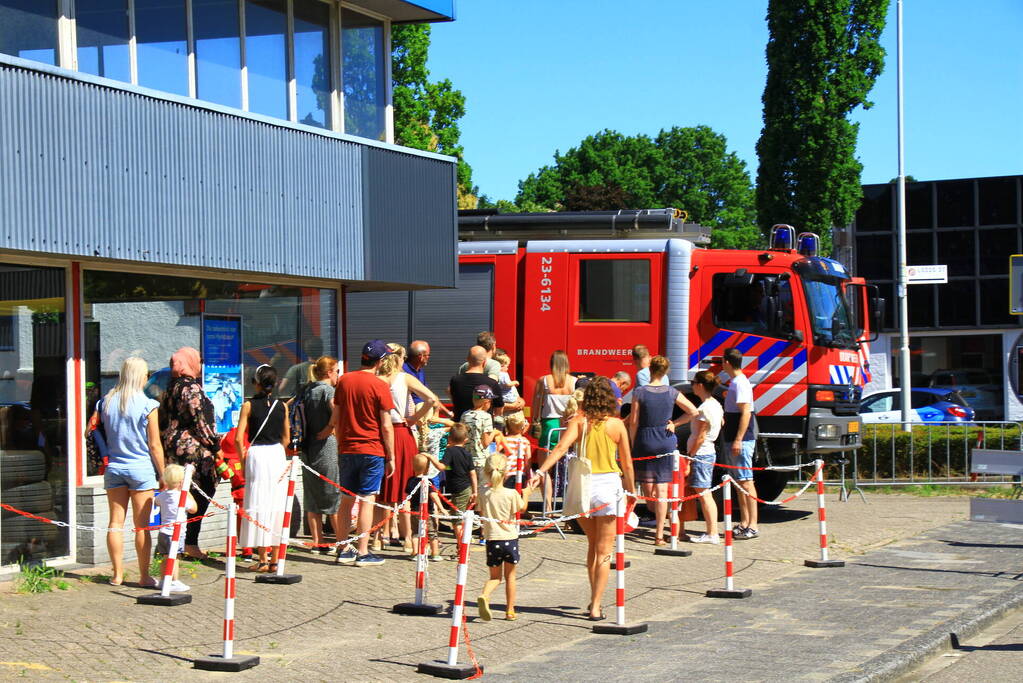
pixel 874 257
pixel 33 413
pixel 161 39
pixel 151 316
pixel 312 63
pixel 875 213
pixel 28 29
pixel 919 206
pixel 217 51
pixel 994 303
pixel 102 34
pixel 363 70
pixel 614 290
pixel 997 201
pixel 995 246
pixel 266 27
pixel 957 303
pixel 920 248
pixel 921 305
pixel 956 249
pixel 955 203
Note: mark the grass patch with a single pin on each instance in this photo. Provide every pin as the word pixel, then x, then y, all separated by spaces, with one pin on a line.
pixel 39 578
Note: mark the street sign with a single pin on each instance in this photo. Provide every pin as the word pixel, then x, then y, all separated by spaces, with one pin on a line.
pixel 1016 284
pixel 927 275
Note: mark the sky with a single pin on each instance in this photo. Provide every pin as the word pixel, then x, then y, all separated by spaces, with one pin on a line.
pixel 540 75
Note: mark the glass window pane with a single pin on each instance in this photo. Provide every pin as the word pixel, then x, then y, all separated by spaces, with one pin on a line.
pixel 312 62
pixel 997 201
pixel 957 303
pixel 362 75
pixel 919 249
pixel 101 28
pixel 28 29
pixel 921 305
pixel 266 23
pixel 33 412
pixel 875 213
pixel 994 303
pixel 162 45
pixel 874 257
pixel 614 290
pixel 919 211
pixel 955 203
pixel 217 51
pixel 995 246
pixel 955 249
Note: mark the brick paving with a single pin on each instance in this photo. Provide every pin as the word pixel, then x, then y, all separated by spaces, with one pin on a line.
pixel 337 622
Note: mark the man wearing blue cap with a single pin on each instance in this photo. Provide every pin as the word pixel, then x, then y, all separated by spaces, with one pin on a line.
pixel 365 442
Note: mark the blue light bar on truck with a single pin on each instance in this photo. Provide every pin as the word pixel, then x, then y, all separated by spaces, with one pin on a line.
pixel 783 237
pixel 808 244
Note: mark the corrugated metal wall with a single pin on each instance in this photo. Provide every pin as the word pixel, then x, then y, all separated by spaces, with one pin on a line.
pixel 90 169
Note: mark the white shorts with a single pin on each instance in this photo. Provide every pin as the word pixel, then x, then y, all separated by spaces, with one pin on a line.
pixel 604 490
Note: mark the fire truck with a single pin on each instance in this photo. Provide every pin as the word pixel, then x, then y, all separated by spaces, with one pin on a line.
pixel 597 283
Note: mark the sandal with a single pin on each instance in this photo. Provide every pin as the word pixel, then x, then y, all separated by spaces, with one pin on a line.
pixel 600 617
pixel 261 567
pixel 510 615
pixel 660 541
pixel 272 568
pixel 150 582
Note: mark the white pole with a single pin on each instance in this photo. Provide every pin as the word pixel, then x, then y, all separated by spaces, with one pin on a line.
pixel 903 286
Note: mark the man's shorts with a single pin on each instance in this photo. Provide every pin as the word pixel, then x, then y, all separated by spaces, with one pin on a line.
pixel 362 473
pixel 744 462
pixel 499 552
pixel 461 498
pixel 701 471
pixel 134 478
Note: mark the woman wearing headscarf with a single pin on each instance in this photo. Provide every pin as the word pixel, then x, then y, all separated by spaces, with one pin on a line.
pixel 189 434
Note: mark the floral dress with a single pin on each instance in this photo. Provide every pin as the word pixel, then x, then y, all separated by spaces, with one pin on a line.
pixel 188 436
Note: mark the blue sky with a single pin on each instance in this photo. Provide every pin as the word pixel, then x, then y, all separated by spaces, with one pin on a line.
pixel 539 75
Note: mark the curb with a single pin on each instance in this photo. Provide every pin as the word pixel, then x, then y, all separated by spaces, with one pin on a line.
pixel 916 650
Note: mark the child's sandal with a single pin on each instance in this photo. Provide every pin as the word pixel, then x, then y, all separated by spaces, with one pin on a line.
pixel 510 615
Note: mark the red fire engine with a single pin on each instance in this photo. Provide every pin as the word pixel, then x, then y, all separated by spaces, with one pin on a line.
pixel 597 283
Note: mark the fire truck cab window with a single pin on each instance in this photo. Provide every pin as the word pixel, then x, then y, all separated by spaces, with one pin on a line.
pixel 746 307
pixel 614 291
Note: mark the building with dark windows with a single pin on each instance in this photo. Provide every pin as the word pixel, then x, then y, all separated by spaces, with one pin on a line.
pixel 209 173
pixel 962 333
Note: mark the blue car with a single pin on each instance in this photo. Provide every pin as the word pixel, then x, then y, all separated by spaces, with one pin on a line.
pixel 929 406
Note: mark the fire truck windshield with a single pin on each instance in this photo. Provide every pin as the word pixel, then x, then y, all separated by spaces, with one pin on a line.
pixel 829 314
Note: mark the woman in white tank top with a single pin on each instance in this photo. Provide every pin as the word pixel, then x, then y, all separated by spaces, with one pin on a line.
pixel 550 397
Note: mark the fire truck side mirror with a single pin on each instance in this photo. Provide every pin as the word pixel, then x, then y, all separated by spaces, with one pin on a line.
pixel 877 309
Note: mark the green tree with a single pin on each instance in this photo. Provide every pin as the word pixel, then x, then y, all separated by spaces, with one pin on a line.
pixel 426 113
pixel 823 57
pixel 685 168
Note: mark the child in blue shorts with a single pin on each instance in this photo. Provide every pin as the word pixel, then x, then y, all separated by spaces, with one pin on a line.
pixel 706 427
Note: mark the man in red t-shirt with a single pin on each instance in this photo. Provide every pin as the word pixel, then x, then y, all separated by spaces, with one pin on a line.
pixel 365 443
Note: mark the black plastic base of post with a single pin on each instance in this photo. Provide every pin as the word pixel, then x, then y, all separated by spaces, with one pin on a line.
pixel 172 600
pixel 725 593
pixel 678 552
pixel 614 565
pixel 282 579
pixel 458 672
pixel 823 563
pixel 621 629
pixel 416 609
pixel 232 664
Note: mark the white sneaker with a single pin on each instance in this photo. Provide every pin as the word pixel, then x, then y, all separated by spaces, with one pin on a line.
pixel 179 587
pixel 705 538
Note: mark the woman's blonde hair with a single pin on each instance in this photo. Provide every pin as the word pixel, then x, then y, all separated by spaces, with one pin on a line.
pixel 322 367
pixel 393 361
pixel 134 373
pixel 573 404
pixel 173 476
pixel 559 368
pixel 497 463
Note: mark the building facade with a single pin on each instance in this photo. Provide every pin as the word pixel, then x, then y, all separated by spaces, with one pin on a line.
pixel 962 333
pixel 170 165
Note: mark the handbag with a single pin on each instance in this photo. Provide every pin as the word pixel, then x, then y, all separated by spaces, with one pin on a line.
pixel 95 442
pixel 577 494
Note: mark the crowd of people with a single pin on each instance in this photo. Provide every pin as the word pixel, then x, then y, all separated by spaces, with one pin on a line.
pixel 373 432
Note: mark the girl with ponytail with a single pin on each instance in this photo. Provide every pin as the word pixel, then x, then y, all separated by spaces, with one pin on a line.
pixel 264 418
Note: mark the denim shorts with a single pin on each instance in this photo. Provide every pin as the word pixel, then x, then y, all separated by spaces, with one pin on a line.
pixel 140 477
pixel 362 473
pixel 744 462
pixel 701 471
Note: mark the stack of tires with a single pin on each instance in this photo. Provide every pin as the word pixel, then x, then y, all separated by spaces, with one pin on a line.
pixel 23 486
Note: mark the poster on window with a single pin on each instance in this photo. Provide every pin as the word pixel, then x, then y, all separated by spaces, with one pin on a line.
pixel 222 367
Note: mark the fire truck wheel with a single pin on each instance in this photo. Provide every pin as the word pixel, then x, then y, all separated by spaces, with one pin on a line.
pixel 770 483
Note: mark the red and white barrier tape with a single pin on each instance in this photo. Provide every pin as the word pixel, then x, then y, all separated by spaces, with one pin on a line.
pixel 795 495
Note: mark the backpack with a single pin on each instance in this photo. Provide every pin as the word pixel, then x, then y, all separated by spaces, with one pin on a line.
pixel 296 419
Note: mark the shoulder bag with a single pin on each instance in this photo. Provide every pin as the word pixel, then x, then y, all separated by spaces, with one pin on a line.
pixel 577 493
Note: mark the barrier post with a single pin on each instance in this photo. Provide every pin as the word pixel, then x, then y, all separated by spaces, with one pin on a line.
pixel 420 607
pixel 729 591
pixel 227 661
pixel 620 627
pixel 451 668
pixel 824 561
pixel 282 549
pixel 165 598
pixel 676 489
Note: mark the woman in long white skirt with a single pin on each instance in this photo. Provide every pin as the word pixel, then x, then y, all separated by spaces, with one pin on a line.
pixel 265 420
